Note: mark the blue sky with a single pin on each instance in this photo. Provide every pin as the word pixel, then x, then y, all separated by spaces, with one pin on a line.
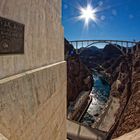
pixel 117 19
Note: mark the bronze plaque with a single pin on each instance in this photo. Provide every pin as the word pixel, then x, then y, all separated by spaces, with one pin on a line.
pixel 11 37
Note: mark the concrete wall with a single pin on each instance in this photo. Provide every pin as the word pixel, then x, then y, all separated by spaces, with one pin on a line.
pixel 33 85
pixel 43 34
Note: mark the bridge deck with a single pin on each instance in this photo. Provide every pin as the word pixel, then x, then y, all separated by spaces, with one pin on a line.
pixel 124 41
pixel 120 44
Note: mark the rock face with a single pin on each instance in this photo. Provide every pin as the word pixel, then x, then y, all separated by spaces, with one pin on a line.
pixel 79 76
pixel 94 56
pixel 129 113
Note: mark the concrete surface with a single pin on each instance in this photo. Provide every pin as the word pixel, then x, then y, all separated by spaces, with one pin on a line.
pixel 2 137
pixel 33 85
pixel 77 131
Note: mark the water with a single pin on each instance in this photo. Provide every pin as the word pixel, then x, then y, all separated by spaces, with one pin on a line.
pixel 100 95
pixel 101 88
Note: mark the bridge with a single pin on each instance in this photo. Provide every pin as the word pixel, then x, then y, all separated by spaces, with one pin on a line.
pixel 124 46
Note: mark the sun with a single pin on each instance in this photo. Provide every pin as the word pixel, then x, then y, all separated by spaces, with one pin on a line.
pixel 87 14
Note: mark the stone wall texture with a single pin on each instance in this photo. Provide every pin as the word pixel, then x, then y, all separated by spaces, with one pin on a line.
pixel 33 85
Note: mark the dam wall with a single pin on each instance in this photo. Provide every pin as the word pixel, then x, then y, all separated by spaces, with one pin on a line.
pixel 33 84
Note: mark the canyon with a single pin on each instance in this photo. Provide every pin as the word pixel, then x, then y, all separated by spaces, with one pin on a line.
pixel 123 73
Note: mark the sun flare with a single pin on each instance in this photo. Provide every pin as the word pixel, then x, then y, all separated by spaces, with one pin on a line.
pixel 87 14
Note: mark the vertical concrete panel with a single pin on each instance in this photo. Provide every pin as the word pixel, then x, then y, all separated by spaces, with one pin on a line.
pixel 33 85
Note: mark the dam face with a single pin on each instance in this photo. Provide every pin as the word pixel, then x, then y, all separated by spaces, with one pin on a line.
pixel 33 81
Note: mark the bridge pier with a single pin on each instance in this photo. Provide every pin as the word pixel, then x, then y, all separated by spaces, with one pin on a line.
pixel 76 47
pixel 137 47
pixel 82 44
pixel 132 50
pixel 121 46
pixel 127 49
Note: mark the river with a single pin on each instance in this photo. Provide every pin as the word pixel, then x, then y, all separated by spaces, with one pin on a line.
pixel 100 94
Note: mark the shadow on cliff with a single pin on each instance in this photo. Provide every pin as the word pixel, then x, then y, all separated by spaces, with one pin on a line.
pixel 79 77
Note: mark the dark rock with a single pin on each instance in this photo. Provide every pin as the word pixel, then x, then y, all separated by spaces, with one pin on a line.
pixel 79 76
pixel 93 56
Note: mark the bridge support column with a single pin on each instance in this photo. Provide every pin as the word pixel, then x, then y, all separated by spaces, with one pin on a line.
pixel 132 49
pixel 77 47
pixel 82 44
pixel 121 46
pixel 127 49
pixel 137 46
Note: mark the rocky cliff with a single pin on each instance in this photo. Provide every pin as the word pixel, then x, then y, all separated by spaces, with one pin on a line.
pixel 93 56
pixel 128 115
pixel 79 76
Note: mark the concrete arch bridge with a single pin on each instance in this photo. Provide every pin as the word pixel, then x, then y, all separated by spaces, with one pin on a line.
pixel 124 46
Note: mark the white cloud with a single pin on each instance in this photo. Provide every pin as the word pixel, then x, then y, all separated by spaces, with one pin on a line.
pixel 100 3
pixel 65 6
pixel 114 12
pixel 103 17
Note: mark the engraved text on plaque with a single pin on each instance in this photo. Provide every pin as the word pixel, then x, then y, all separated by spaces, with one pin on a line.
pixel 11 37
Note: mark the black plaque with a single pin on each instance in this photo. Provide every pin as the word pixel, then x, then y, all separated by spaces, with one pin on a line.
pixel 11 37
